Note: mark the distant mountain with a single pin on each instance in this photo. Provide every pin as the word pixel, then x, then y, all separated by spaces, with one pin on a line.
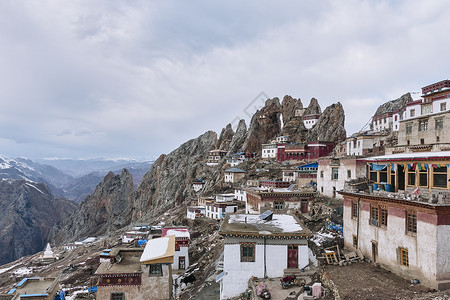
pixel 26 169
pixel 80 167
pixel 27 212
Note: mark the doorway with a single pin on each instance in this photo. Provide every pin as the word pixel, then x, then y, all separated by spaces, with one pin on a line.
pixel 374 251
pixel 401 177
pixel 182 263
pixel 293 256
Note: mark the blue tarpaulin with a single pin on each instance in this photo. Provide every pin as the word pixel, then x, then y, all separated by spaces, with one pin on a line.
pixel 377 167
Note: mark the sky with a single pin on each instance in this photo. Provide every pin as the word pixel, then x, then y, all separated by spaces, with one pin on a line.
pixel 134 79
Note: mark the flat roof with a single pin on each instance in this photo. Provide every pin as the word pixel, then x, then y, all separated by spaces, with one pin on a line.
pixel 129 263
pixel 280 225
pixel 410 156
pixel 35 285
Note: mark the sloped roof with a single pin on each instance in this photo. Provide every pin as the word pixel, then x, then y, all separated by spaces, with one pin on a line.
pixel 159 250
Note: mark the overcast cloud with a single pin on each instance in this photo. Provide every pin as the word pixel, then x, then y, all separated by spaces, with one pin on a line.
pixel 85 79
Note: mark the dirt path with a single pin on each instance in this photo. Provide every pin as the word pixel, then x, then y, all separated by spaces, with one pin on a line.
pixel 365 281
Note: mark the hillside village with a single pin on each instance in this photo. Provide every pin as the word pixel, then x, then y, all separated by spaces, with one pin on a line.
pixel 287 215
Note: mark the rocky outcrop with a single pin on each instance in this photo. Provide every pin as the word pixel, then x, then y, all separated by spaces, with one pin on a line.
pixel 330 126
pixel 225 138
pixel 107 209
pixel 28 211
pixel 296 130
pixel 288 107
pixel 264 126
pixel 313 108
pixel 393 105
pixel 169 180
pixel 238 138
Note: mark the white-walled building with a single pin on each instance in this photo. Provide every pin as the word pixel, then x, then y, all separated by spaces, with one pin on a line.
pixel 215 156
pixel 193 212
pixel 218 210
pixel 240 194
pixel 233 175
pixel 409 238
pixel 333 173
pixel 132 235
pixel 310 120
pixel 262 248
pixel 198 184
pixel 236 159
pixel 182 239
pixel 227 197
pixel 269 151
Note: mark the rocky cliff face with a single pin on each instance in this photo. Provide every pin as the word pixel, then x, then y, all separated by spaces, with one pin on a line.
pixel 28 211
pixel 313 108
pixel 225 138
pixel 169 180
pixel 238 138
pixel 264 126
pixel 330 126
pixel 107 209
pixel 288 108
pixel 394 105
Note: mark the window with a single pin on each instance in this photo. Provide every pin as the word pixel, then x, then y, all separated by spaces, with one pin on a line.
pixel 423 125
pixel 412 113
pixel 404 261
pixel 117 296
pixel 374 215
pixel 355 241
pixel 437 139
pixel 411 222
pixel 373 176
pixel 247 252
pixel 422 141
pixel 443 106
pixel 423 178
pixel 354 210
pixel 321 174
pixel 349 174
pixel 155 270
pixel 440 177
pixel 335 174
pixel 439 123
pixel 395 118
pixel 427 109
pixel 412 178
pixel 408 129
pixel 278 204
pixel 408 142
pixel 177 246
pixel 383 216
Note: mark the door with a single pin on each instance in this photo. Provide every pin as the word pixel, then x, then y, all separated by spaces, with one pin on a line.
pixel 182 263
pixel 293 256
pixel 374 251
pixel 304 206
pixel 401 177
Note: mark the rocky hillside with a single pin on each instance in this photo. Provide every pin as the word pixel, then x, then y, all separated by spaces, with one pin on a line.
pixel 393 105
pixel 169 181
pixel 28 211
pixel 107 209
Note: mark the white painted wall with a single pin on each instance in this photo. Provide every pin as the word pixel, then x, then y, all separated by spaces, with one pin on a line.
pixel 176 258
pixel 236 281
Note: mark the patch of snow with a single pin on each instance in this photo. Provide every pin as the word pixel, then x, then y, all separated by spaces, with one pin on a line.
pixel 286 223
pixel 23 271
pixel 7 269
pixel 319 237
pixel 178 232
pixel 35 188
pixel 73 294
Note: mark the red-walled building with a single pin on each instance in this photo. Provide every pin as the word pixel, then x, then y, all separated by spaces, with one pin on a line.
pixel 310 151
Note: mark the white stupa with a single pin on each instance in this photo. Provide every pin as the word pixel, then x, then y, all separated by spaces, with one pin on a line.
pixel 48 254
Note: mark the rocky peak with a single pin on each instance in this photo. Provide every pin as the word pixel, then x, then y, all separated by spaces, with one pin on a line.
pixel 394 105
pixel 225 138
pixel 313 108
pixel 264 126
pixel 238 138
pixel 107 209
pixel 330 126
pixel 288 107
